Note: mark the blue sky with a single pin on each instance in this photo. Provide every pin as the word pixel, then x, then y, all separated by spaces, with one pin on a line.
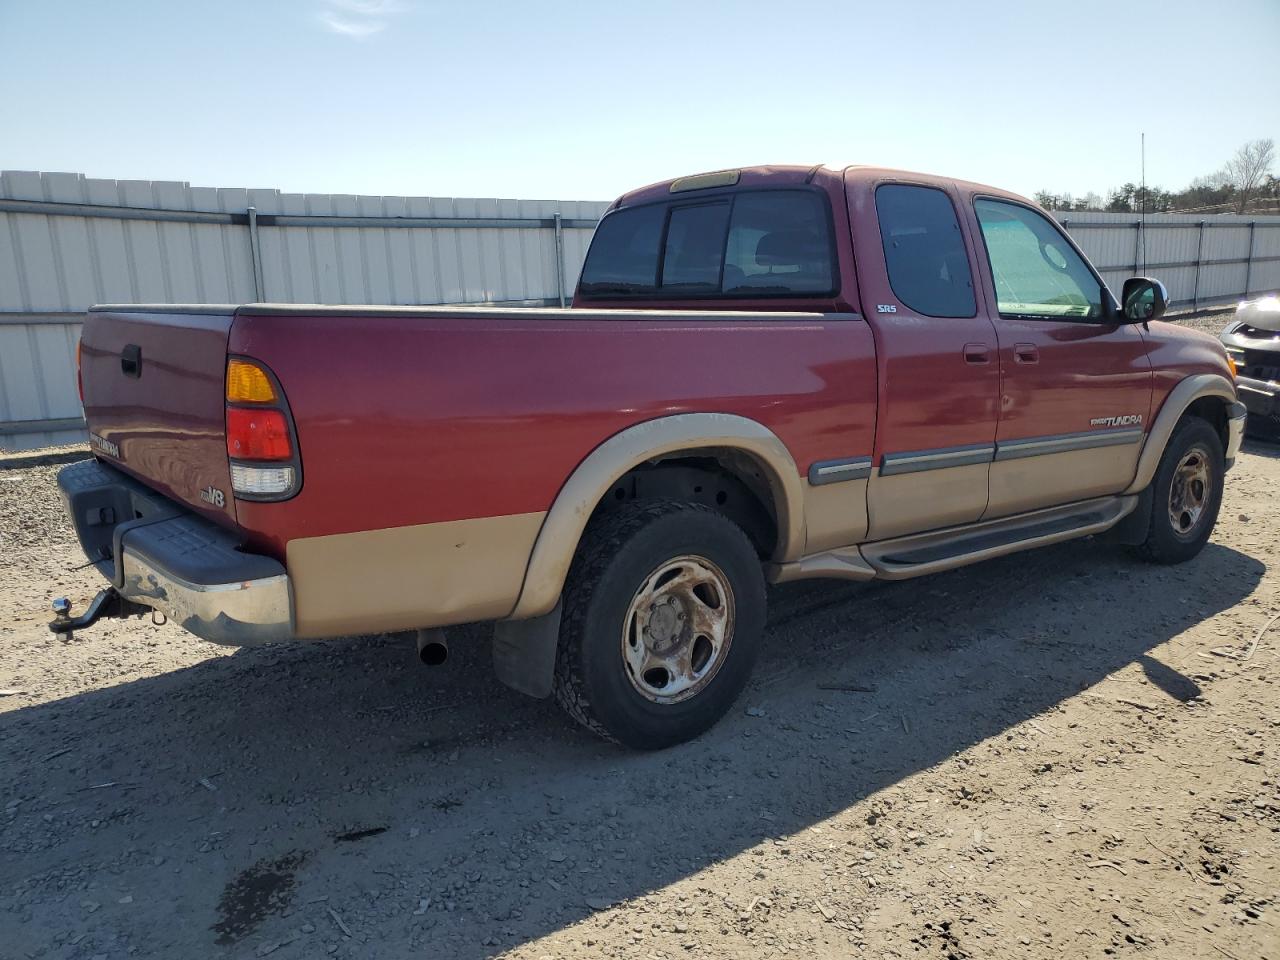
pixel 583 100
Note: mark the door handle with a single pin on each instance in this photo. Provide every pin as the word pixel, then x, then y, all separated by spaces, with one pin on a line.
pixel 977 353
pixel 1025 353
pixel 131 360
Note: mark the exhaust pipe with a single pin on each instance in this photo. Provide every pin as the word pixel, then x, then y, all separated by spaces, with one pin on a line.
pixel 433 647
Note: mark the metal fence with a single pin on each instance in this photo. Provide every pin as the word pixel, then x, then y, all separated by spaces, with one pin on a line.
pixel 1204 261
pixel 67 242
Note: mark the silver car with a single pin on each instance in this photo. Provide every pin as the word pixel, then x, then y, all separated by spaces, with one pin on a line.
pixel 1252 340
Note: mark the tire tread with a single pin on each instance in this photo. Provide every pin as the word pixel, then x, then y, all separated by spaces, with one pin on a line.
pixel 604 537
pixel 1157 548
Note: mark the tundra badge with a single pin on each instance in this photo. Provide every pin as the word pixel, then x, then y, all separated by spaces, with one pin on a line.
pixel 1134 418
pixel 212 494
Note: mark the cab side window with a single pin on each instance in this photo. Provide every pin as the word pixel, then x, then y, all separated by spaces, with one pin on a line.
pixel 1037 274
pixel 924 250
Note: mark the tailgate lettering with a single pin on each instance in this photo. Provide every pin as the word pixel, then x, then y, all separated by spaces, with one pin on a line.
pixel 104 446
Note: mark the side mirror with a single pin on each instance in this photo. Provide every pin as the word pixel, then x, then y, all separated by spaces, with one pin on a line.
pixel 1144 299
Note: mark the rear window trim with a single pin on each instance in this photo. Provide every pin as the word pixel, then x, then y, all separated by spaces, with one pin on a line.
pixel 698 198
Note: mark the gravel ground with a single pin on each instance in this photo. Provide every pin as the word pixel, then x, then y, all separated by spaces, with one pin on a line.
pixel 1063 753
pixel 1212 323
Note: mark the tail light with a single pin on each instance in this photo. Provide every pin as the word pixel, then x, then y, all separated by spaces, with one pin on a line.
pixel 261 441
pixel 79 373
pixel 258 435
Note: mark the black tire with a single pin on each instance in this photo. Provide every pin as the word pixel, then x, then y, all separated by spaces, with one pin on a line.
pixel 1168 542
pixel 616 559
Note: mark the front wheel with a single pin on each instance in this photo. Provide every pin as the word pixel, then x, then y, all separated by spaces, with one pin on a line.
pixel 663 613
pixel 1186 494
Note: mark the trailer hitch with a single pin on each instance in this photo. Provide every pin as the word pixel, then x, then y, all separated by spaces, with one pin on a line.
pixel 108 603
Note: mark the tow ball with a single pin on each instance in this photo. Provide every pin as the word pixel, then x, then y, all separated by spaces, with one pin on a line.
pixel 108 603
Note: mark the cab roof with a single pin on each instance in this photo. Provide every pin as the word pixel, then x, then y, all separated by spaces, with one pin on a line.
pixel 788 175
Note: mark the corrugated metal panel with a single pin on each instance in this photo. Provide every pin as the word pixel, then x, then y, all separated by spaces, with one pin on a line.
pixel 52 268
pixel 1173 243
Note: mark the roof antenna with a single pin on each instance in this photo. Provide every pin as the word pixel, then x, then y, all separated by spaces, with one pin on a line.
pixel 1142 225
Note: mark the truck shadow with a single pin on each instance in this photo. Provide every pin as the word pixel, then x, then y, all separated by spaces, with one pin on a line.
pixel 286 799
pixel 1260 447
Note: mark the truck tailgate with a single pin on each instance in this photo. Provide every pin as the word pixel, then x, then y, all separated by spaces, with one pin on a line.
pixel 154 398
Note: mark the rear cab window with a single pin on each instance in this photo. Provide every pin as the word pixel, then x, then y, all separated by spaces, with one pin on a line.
pixel 749 243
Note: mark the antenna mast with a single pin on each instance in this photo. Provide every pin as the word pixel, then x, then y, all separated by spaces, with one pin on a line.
pixel 1142 225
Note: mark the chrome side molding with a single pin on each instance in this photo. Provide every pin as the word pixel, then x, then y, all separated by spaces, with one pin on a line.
pixel 939 459
pixel 913 461
pixel 834 471
pixel 1064 442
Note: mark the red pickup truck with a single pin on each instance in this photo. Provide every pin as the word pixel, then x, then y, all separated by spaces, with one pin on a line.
pixel 766 374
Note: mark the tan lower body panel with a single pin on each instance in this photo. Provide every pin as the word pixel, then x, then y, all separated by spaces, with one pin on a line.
pixel 835 514
pixel 1053 478
pixel 844 563
pixel 404 578
pixel 910 502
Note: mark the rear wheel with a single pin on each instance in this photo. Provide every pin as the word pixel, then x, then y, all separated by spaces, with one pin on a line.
pixel 1186 494
pixel 663 612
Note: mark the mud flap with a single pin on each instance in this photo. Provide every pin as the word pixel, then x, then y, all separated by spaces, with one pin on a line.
pixel 1132 530
pixel 524 652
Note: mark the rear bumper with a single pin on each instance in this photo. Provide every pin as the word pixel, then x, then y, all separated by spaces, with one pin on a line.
pixel 161 555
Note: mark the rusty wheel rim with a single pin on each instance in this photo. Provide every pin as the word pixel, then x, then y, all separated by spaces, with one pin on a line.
pixel 1189 492
pixel 678 629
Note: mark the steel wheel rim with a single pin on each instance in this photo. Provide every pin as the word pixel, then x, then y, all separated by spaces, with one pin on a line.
pixel 678 629
pixel 1189 492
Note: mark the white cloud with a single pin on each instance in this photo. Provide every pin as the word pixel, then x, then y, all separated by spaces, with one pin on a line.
pixel 358 18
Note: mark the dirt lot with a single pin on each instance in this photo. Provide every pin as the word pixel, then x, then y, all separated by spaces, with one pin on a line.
pixel 1060 754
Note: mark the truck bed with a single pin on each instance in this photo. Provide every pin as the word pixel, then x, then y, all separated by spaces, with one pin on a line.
pixel 409 419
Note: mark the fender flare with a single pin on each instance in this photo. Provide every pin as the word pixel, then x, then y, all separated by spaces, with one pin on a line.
pixel 1175 405
pixel 557 541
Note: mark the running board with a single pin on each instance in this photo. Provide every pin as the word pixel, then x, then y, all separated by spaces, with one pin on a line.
pixel 924 553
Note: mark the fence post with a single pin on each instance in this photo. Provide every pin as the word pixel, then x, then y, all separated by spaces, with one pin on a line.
pixel 1195 290
pixel 256 252
pixel 1248 266
pixel 559 260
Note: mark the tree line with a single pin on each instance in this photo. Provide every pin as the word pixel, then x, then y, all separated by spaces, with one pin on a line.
pixel 1245 184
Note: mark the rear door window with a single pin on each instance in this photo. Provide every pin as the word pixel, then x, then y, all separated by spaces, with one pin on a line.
pixel 758 243
pixel 924 250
